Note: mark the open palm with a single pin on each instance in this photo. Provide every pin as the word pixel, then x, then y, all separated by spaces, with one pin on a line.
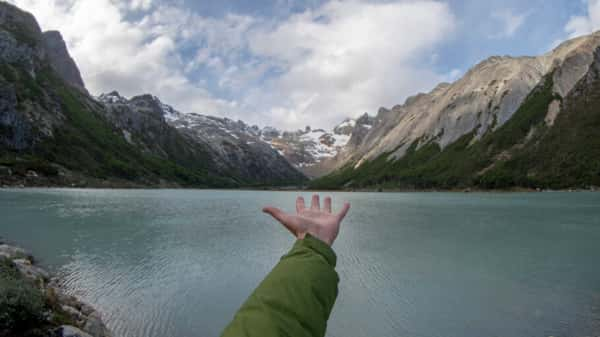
pixel 319 222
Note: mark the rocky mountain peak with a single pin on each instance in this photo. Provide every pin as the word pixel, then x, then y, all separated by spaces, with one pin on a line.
pixel 112 97
pixel 365 120
pixel 22 42
pixel 20 23
pixel 346 127
pixel 483 100
pixel 60 59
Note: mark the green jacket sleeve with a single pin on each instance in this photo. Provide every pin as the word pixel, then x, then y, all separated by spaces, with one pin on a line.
pixel 295 299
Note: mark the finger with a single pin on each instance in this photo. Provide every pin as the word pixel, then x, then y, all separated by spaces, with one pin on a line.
pixel 344 211
pixel 276 213
pixel 314 204
pixel 300 204
pixel 280 216
pixel 327 204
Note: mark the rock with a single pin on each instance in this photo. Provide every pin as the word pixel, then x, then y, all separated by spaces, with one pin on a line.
pixel 5 171
pixel 485 98
pixel 86 309
pixel 553 111
pixel 11 252
pixel 88 320
pixel 71 331
pixel 95 326
pixel 31 174
pixel 76 314
pixel 232 146
pixel 61 61
pixel 30 271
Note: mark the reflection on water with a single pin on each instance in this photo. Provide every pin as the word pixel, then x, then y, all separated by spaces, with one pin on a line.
pixel 179 263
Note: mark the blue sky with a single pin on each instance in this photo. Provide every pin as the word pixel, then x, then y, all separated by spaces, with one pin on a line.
pixel 293 63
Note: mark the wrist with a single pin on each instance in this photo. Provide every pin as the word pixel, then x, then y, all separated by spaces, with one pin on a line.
pixel 326 239
pixel 320 247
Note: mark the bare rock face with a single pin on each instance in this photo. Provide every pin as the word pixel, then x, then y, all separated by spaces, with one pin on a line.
pixel 23 54
pixel 18 133
pixel 230 146
pixel 20 38
pixel 61 61
pixel 480 102
pixel 315 151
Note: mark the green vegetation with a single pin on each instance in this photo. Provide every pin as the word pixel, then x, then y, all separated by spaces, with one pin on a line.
pixel 523 152
pixel 23 35
pixel 61 127
pixel 25 309
pixel 87 143
pixel 22 304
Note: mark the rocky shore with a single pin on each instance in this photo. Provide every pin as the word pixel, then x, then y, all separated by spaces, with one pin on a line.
pixel 32 303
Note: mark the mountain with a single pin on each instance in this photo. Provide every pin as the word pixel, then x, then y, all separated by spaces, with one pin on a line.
pixel 315 151
pixel 509 122
pixel 234 147
pixel 61 61
pixel 52 132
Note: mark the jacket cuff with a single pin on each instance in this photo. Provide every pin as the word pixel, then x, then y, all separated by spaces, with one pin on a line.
pixel 318 247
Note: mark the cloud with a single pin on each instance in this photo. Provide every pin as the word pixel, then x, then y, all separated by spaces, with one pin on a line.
pixel 587 24
pixel 132 56
pixel 348 57
pixel 510 21
pixel 315 67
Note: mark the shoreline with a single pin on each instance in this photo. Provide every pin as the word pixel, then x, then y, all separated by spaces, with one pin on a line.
pixel 36 305
pixel 79 181
pixel 301 190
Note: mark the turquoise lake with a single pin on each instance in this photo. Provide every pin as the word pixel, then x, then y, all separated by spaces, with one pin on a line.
pixel 178 263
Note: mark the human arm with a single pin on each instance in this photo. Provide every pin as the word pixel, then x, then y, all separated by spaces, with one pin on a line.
pixel 297 296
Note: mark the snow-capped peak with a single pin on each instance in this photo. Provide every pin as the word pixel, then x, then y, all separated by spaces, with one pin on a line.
pixel 169 112
pixel 112 97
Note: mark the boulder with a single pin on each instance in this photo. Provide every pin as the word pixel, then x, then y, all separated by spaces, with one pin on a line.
pixel 5 171
pixel 70 331
pixel 95 326
pixel 11 252
pixel 30 271
pixel 32 174
pixel 76 314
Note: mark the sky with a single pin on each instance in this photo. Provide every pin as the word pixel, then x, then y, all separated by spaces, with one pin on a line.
pixel 289 64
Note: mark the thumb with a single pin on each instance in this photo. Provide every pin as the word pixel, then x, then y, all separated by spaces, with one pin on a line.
pixel 342 214
pixel 276 213
pixel 280 216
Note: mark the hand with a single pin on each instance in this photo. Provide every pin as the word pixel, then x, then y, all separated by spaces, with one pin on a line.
pixel 320 223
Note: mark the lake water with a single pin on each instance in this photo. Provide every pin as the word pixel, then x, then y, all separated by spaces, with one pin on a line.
pixel 179 263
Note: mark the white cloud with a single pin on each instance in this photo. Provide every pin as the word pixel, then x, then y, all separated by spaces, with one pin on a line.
pixel 317 67
pixel 510 21
pixel 582 25
pixel 113 53
pixel 349 57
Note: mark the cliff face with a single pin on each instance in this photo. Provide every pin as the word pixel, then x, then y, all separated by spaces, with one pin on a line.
pixel 60 60
pixel 22 57
pixel 232 148
pixel 422 142
pixel 52 132
pixel 483 100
